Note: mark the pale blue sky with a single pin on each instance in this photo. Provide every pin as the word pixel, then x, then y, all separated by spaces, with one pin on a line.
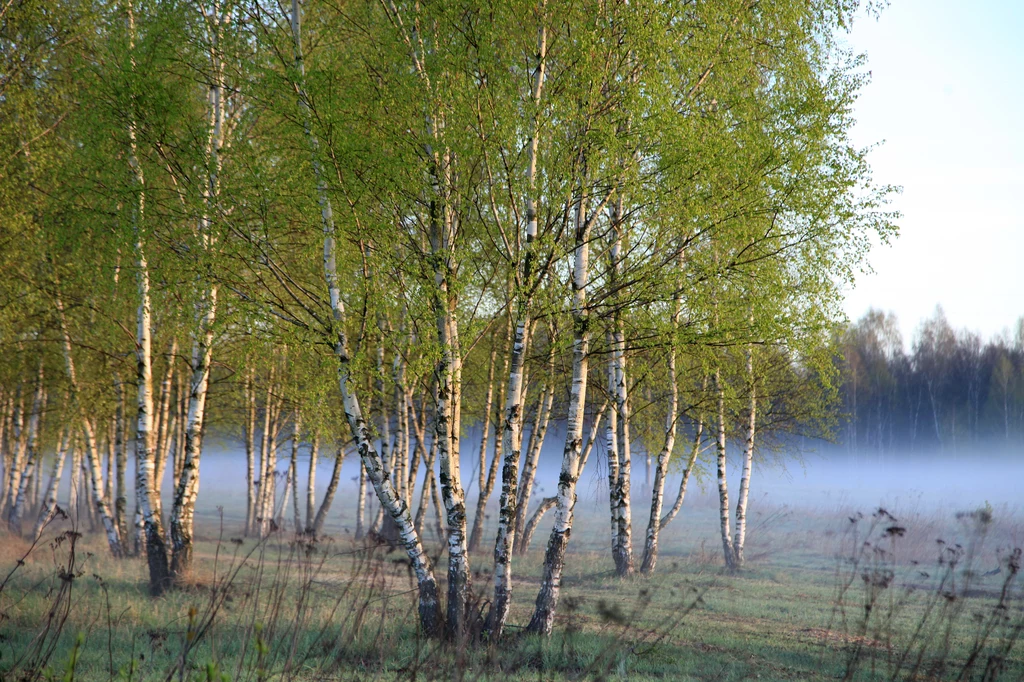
pixel 947 99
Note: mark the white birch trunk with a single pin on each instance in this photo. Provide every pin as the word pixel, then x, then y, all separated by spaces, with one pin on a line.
pixel 425 489
pixel 17 508
pixel 183 511
pixel 554 559
pixel 314 453
pixel 592 436
pixel 694 452
pixel 536 442
pixel 511 441
pixel 723 487
pixel 748 462
pixel 249 393
pixel 429 607
pixel 121 464
pixel 612 449
pixel 531 526
pixel 266 480
pixel 361 503
pixel 16 460
pixel 92 454
pixel 296 428
pixel 661 469
pixel 485 476
pixel 622 548
pixel 49 507
pixel 74 480
pixel 332 486
pixel 145 435
pixel 166 429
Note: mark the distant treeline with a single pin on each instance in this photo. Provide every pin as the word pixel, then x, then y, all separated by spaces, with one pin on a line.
pixel 951 391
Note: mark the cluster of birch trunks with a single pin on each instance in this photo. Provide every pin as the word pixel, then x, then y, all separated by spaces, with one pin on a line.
pixel 367 229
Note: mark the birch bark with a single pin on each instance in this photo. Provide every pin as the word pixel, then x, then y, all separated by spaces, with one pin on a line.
pixel 531 526
pixel 314 452
pixel 121 464
pixel 92 454
pixel 166 430
pixel 249 393
pixel 511 441
pixel 650 558
pixel 296 429
pixel 723 488
pixel 554 559
pixel 431 619
pixel 17 508
pixel 183 511
pixel 536 442
pixel 325 505
pixel 482 473
pixel 748 462
pixel 49 506
pixel 694 452
pixel 622 547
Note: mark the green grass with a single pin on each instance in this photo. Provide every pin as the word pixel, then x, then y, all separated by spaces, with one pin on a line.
pixel 345 611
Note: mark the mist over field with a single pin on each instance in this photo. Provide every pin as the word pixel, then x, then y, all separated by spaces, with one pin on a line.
pixel 818 478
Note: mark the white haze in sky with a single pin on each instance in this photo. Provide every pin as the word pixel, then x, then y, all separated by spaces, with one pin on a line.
pixel 946 99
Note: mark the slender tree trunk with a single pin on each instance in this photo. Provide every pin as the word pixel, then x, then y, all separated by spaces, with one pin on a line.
pixel 166 429
pixel 400 472
pixel 554 559
pixel 250 452
pixel 511 441
pixel 431 619
pixel 439 524
pixel 622 548
pixel 661 470
pixel 611 434
pixel 417 421
pixel 16 461
pixel 361 504
pixel 595 429
pixel 723 488
pixel 533 455
pixel 267 465
pixel 183 511
pixel 49 506
pixel 17 508
pixel 325 505
pixel 89 435
pixel 121 464
pixel 6 417
pixel 289 477
pixel 145 436
pixel 694 452
pixel 108 465
pixel 748 462
pixel 531 526
pixel 74 480
pixel 421 509
pixel 482 470
pixel 314 452
pixel 181 410
pixel 295 472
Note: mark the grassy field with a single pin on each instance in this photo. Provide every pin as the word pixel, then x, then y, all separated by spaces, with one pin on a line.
pixel 339 609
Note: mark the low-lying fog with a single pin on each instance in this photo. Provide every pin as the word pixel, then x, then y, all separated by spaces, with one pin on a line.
pixel 823 478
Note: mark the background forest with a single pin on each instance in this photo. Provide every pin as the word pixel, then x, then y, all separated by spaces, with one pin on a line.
pixel 951 390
